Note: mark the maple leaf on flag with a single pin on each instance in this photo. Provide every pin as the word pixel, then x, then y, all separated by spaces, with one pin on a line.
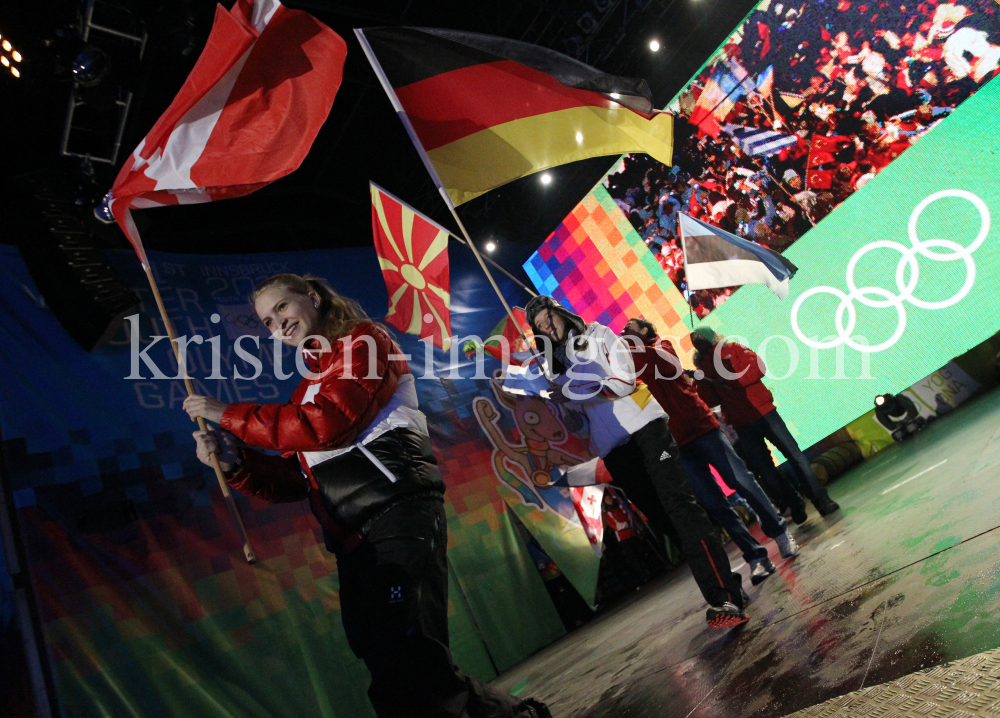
pixel 246 115
pixel 413 255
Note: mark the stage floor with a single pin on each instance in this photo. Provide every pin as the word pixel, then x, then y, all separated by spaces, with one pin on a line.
pixel 904 577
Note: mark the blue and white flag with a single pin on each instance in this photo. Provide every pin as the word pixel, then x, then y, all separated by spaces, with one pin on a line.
pixel 765 81
pixel 759 143
pixel 715 258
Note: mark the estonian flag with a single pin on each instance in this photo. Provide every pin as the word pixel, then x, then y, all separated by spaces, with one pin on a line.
pixel 715 258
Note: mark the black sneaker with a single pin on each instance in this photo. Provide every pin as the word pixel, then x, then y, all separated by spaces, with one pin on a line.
pixel 799 515
pixel 726 616
pixel 537 709
pixel 826 506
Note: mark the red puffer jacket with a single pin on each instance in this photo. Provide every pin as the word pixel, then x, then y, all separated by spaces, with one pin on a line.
pixel 743 400
pixel 328 412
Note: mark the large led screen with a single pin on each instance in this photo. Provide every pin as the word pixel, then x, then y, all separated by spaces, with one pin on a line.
pixel 842 135
pixel 900 279
pixel 801 107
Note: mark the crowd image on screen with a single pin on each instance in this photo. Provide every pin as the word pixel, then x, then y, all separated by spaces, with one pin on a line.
pixel 804 105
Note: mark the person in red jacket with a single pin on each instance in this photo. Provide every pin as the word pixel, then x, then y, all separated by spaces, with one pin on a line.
pixel 353 441
pixel 703 445
pixel 732 380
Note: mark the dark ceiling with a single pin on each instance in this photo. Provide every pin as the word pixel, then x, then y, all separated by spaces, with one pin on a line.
pixel 326 202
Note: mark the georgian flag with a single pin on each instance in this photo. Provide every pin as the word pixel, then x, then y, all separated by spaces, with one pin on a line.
pixel 247 114
pixel 715 258
pixel 587 492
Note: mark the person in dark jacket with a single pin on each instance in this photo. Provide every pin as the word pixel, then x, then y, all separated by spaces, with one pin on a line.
pixel 732 380
pixel 354 442
pixel 703 446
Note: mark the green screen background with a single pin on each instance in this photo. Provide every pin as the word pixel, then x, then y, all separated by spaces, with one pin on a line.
pixel 815 399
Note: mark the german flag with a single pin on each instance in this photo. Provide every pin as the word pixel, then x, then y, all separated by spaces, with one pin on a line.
pixel 486 110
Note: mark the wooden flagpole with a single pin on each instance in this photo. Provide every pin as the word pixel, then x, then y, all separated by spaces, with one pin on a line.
pixel 219 474
pixel 387 87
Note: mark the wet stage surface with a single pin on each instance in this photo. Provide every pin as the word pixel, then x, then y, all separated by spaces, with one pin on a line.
pixel 906 576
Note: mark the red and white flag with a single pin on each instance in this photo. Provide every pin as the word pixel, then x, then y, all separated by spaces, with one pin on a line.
pixel 586 489
pixel 247 114
pixel 588 501
pixel 413 254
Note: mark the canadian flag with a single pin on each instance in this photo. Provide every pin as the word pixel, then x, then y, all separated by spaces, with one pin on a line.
pixel 246 115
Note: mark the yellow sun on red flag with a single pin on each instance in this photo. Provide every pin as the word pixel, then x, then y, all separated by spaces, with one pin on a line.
pixel 413 254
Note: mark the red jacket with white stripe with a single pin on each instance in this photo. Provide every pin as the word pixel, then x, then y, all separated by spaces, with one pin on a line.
pixel 331 410
pixel 354 397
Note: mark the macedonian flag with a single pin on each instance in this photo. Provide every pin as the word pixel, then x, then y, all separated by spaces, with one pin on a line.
pixel 486 110
pixel 413 254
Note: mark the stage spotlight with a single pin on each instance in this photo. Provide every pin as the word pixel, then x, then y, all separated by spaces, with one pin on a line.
pixel 4 60
pixel 16 55
pixel 546 178
pixel 579 137
pixel 615 95
pixel 898 414
pixel 6 45
pixel 14 71
pixel 90 67
pixel 491 246
pixel 654 45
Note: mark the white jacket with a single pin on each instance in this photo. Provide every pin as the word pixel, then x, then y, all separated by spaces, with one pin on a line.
pixel 600 379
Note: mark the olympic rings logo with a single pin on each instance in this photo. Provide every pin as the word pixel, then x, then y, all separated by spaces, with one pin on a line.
pixel 879 298
pixel 242 321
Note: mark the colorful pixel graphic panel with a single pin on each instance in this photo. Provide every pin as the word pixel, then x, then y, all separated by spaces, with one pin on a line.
pixel 596 264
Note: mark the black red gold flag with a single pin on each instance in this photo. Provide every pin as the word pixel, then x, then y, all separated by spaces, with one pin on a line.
pixel 486 110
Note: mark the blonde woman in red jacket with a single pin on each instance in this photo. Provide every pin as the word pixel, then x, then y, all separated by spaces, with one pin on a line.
pixel 353 441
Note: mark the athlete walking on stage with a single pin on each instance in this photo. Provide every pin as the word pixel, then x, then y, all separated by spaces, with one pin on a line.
pixel 355 443
pixel 591 366
pixel 732 380
pixel 704 446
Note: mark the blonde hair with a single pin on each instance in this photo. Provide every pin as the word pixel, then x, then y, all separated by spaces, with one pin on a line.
pixel 339 315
